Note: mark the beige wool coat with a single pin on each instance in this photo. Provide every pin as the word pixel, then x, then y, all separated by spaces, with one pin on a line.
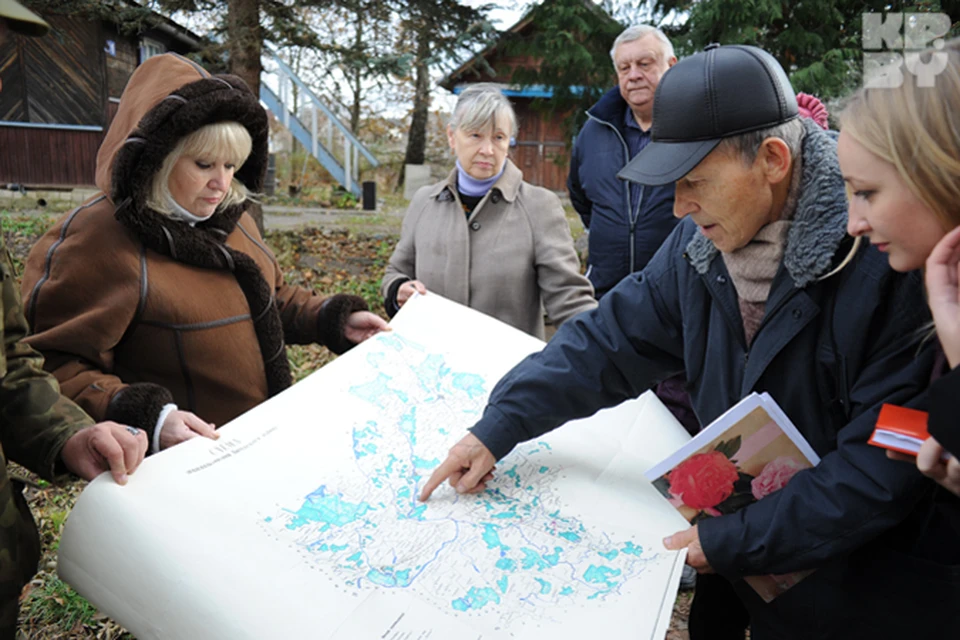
pixel 512 258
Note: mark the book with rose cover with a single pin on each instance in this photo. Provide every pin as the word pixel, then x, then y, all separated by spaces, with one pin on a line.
pixel 744 455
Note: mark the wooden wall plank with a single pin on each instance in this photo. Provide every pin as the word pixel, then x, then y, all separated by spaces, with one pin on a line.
pixel 48 156
pixel 64 73
pixel 13 104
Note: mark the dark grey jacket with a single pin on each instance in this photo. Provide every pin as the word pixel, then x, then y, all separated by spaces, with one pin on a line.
pixel 830 350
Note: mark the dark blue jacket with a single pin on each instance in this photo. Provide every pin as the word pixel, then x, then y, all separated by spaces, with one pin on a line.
pixel 830 350
pixel 624 235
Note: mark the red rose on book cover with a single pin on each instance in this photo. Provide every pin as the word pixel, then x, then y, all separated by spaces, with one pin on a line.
pixel 703 480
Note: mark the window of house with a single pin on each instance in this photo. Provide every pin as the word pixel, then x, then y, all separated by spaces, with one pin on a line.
pixel 150 48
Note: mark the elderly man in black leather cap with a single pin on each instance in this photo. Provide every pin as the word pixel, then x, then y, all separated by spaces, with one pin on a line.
pixel 759 288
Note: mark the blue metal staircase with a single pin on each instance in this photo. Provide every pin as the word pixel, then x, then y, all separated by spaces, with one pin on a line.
pixel 340 152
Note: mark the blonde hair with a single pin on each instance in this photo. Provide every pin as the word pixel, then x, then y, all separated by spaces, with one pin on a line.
pixel 229 141
pixel 917 130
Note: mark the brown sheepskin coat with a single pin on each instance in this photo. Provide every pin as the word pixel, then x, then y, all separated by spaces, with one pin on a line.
pixel 133 310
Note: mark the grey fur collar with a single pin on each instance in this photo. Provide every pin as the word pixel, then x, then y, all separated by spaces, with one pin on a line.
pixel 820 222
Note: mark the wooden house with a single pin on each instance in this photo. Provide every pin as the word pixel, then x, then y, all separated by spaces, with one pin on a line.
pixel 542 147
pixel 60 93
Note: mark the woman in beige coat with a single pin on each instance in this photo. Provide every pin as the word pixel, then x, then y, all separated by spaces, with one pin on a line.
pixel 485 238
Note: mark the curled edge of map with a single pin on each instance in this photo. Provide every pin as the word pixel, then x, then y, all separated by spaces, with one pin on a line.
pixel 250 536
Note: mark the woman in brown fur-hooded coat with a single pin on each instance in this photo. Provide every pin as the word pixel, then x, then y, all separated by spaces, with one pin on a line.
pixel 148 319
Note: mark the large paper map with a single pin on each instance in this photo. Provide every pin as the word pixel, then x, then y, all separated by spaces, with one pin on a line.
pixel 310 501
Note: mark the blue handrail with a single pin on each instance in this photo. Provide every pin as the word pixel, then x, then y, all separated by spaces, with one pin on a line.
pixel 320 105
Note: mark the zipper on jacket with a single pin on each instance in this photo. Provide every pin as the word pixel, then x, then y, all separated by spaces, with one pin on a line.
pixel 633 225
pixel 632 214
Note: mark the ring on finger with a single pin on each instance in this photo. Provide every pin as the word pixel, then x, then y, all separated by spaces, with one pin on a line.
pixel 134 430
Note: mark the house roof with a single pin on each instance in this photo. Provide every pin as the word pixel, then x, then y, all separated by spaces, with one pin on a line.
pixel 451 81
pixel 173 29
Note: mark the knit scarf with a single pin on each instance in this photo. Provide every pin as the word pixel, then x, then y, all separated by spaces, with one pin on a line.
pixel 204 246
pixel 753 267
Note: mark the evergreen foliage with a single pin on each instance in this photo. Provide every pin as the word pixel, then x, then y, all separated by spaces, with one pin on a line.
pixel 571 41
pixel 818 42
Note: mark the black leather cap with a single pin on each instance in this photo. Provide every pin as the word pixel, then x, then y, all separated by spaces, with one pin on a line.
pixel 721 92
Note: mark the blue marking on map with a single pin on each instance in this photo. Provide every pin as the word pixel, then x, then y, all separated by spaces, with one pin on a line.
pixel 389 577
pixel 398 344
pixel 490 536
pixel 532 559
pixel 320 506
pixel 375 392
pixel 553 558
pixel 601 574
pixel 506 564
pixel 420 463
pixel 431 371
pixel 408 425
pixel 516 552
pixel 268 519
pixel 392 459
pixel 415 513
pixel 476 598
pixel 469 382
pixel 512 473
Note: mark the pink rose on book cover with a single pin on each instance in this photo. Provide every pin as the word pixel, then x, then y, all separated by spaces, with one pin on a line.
pixel 704 480
pixel 775 476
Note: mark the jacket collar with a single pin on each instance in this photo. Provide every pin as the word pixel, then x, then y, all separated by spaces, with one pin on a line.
pixel 820 222
pixel 508 185
pixel 610 109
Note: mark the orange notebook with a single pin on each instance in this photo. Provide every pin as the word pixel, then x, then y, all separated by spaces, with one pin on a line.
pixel 900 429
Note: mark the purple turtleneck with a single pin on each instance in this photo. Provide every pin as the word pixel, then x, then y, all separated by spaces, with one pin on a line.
pixel 471 186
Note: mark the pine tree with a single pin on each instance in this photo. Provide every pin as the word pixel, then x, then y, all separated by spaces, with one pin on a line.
pixel 818 42
pixel 435 32
pixel 570 40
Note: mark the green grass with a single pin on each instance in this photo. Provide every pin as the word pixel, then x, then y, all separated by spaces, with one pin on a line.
pixel 26 224
pixel 19 205
pixel 54 600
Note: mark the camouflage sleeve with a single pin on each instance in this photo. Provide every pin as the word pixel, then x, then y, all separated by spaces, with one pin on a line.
pixel 35 420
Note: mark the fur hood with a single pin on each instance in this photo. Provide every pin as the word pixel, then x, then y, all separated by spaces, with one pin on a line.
pixel 167 98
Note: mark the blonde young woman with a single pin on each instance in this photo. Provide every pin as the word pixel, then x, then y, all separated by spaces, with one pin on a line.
pixel 156 303
pixel 900 152
pixel 485 238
